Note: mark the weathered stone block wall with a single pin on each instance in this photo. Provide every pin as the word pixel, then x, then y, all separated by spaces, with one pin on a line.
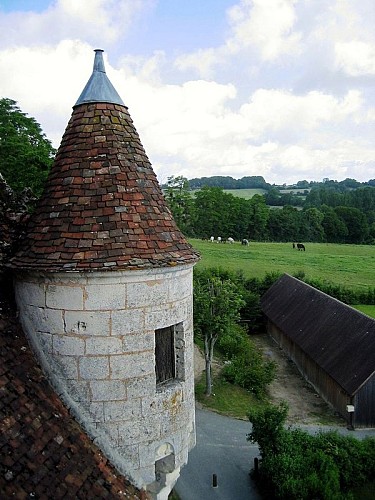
pixel 95 336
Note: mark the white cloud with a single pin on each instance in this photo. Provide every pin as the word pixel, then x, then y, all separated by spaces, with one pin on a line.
pixel 266 25
pixel 245 118
pixel 203 61
pixel 49 83
pixel 174 118
pixel 355 57
pixel 96 21
pixel 193 130
pixel 263 28
pixel 270 111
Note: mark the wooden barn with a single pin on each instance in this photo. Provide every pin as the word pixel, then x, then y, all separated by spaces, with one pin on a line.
pixel 332 344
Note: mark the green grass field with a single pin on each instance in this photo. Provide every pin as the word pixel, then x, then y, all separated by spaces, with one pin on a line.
pixel 352 266
pixel 245 193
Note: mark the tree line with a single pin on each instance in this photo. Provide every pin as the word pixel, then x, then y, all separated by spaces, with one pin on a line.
pixel 258 182
pixel 328 214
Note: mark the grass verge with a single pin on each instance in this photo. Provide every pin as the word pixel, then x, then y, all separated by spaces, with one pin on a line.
pixel 226 398
pixel 366 309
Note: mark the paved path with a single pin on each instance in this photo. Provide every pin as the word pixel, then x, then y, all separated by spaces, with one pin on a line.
pixel 221 449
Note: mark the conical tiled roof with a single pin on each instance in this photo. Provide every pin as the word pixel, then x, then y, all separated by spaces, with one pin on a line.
pixel 102 208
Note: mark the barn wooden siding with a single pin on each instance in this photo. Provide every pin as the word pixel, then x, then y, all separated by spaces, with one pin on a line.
pixel 364 402
pixel 332 344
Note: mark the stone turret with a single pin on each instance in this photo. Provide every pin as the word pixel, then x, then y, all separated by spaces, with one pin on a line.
pixel 104 290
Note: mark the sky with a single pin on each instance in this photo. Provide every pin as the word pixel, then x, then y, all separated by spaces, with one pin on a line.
pixel 283 89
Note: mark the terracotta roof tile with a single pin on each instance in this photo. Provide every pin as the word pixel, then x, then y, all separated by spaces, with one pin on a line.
pixel 102 191
pixel 43 451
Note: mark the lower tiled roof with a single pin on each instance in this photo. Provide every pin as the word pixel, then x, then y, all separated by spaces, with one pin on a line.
pixel 43 451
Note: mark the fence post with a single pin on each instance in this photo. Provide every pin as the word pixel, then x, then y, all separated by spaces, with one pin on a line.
pixel 214 480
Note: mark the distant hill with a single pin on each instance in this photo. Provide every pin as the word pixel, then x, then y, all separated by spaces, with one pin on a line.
pixel 298 195
pixel 227 182
pixel 258 182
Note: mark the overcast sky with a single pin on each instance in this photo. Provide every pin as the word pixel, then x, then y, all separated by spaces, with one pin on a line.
pixel 279 88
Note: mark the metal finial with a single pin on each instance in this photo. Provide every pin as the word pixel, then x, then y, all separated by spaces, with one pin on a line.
pixel 99 88
pixel 99 61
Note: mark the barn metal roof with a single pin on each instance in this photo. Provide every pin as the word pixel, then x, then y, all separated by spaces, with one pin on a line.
pixel 102 208
pixel 340 339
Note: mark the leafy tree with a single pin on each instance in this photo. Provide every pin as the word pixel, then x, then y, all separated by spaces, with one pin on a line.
pixel 273 197
pixel 26 154
pixel 180 202
pixel 217 303
pixel 311 225
pixel 356 223
pixel 258 220
pixel 216 213
pixel 268 427
pixel 284 225
pixel 240 213
pixel 362 198
pixel 335 229
pixel 350 183
pixel 303 184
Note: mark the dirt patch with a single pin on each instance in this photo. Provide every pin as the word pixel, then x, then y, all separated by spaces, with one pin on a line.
pixel 305 404
pixel 199 363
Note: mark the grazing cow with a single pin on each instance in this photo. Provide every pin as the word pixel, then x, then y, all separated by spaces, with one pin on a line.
pixel 219 239
pixel 301 246
pixel 212 239
pixel 230 240
pixel 245 242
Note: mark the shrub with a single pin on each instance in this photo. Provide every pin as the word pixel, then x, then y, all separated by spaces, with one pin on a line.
pixel 233 342
pixel 355 459
pixel 304 474
pixel 296 465
pixel 251 313
pixel 249 370
pixel 268 427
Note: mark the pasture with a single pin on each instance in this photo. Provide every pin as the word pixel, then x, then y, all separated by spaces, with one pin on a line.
pixel 247 194
pixel 351 266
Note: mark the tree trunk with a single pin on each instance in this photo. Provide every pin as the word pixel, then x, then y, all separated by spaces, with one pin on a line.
pixel 208 377
pixel 209 344
pixel 208 359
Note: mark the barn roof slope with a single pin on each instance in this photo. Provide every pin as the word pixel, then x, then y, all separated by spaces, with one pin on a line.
pixel 340 339
pixel 102 208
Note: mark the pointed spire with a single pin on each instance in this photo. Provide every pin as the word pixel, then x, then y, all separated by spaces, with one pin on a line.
pixel 102 208
pixel 99 88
